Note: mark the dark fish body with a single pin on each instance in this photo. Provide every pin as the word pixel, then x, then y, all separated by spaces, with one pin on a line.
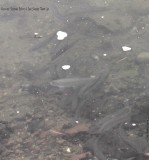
pixel 111 121
pixel 138 144
pixel 70 82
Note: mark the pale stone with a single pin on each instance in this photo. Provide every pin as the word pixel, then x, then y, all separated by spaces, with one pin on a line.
pixel 143 57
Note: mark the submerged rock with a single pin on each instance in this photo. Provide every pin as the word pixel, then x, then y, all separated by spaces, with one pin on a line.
pixel 143 57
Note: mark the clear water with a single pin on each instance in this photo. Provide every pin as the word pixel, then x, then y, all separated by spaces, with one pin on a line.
pixel 70 62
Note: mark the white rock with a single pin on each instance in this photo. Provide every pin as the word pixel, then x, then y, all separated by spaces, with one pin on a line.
pixel 96 57
pixel 68 150
pixel 65 67
pixel 92 76
pixel 61 35
pixel 125 48
pixel 36 34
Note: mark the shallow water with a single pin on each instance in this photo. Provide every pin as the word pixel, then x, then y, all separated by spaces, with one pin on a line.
pixel 97 31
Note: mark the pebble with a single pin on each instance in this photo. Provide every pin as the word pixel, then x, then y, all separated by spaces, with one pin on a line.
pixel 126 48
pixel 66 67
pixel 77 121
pixel 60 141
pixel 18 112
pixel 143 57
pixel 36 34
pixel 146 152
pixel 68 150
pixel 96 57
pixel 61 35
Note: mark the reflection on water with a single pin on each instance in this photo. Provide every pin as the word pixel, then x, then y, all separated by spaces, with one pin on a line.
pixel 79 95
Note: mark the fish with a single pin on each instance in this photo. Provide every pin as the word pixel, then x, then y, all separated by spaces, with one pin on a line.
pixel 61 49
pixel 138 144
pixel 111 121
pixel 71 82
pixel 44 43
